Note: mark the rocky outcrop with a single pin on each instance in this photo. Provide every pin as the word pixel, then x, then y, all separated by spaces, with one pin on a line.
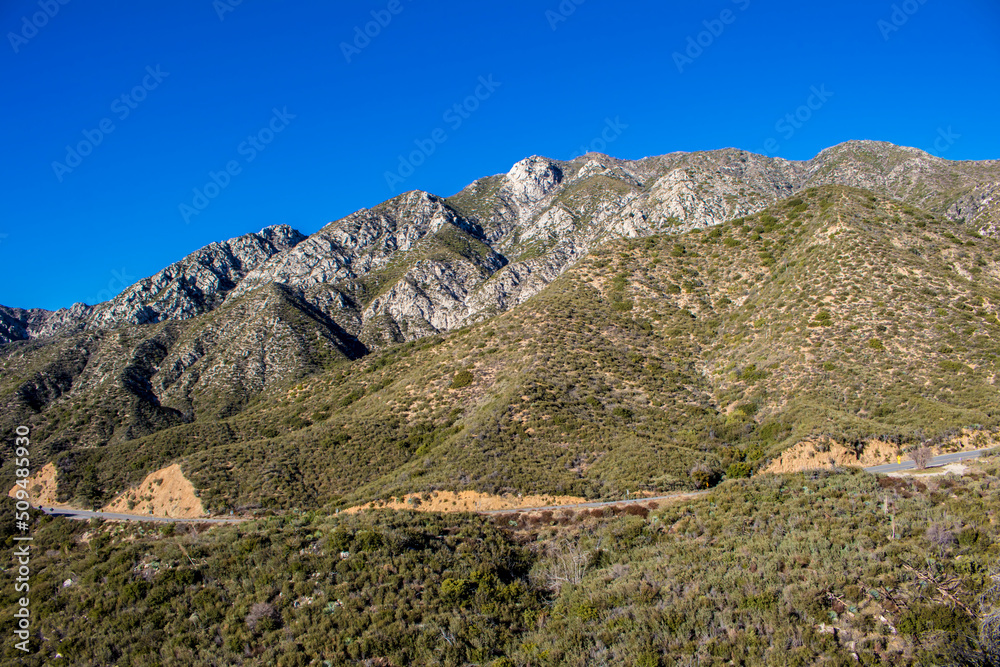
pixel 195 285
pixel 360 244
pixel 528 184
pixel 20 324
pixel 419 264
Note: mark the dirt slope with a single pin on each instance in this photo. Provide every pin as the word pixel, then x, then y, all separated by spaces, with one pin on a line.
pixel 42 487
pixel 467 501
pixel 825 453
pixel 165 492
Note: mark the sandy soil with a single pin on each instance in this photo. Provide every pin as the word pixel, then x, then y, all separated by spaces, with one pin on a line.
pixel 468 501
pixel 42 488
pixel 613 507
pixel 824 453
pixel 165 492
pixel 950 469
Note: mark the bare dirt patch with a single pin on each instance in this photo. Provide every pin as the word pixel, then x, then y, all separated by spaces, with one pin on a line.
pixel 825 453
pixel 166 492
pixel 950 469
pixel 466 501
pixel 43 488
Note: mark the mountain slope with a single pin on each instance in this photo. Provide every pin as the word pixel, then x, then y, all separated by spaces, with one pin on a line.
pixel 652 364
pixel 101 387
pixel 503 238
pixel 194 285
pixel 543 215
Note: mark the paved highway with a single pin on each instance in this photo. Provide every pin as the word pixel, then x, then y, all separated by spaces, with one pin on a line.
pixel 87 514
pixel 937 461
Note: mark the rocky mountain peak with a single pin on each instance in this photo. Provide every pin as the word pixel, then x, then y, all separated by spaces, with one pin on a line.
pixel 196 284
pixel 281 236
pixel 187 288
pixel 531 179
pixel 417 263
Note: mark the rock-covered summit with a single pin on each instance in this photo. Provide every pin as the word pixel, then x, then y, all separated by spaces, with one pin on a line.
pixel 419 263
pixel 192 286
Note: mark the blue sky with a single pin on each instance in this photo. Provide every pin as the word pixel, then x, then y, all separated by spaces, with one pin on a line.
pixel 198 121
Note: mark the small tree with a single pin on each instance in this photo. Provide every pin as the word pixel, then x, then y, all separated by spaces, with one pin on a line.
pixel 703 476
pixel 567 564
pixel 90 488
pixel 922 457
pixel 263 617
pixel 739 469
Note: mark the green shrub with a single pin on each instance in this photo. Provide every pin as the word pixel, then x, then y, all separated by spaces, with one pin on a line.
pixel 922 618
pixel 761 601
pixel 953 366
pixel 822 319
pixel 456 590
pixel 622 305
pixel 739 470
pixel 751 373
pixel 622 413
pixel 463 378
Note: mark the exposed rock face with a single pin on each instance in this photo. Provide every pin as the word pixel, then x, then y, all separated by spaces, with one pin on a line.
pixel 528 183
pixel 357 245
pixel 419 264
pixel 194 285
pixel 20 324
pixel 980 207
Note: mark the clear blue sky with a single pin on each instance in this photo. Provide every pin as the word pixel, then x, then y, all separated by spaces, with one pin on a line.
pixel 76 235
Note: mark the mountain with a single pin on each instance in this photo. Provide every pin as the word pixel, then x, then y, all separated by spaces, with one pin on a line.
pixel 419 264
pixel 195 285
pixel 654 362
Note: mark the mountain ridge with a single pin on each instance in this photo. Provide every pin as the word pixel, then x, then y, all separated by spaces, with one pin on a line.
pixel 675 304
pixel 535 220
pixel 654 363
pixel 186 288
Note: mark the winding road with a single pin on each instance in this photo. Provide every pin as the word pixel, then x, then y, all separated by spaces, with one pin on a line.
pixel 937 461
pixel 69 513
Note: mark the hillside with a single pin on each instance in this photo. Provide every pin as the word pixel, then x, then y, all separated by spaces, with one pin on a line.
pixel 657 364
pixel 589 329
pixel 841 568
